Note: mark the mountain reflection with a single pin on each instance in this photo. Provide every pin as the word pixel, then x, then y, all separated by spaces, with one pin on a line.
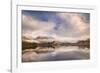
pixel 58 53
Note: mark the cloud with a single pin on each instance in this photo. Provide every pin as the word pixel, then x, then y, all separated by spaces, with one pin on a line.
pixel 77 27
pixel 31 23
pixel 65 25
pixel 33 27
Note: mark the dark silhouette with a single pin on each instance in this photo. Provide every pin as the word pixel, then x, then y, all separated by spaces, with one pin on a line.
pixel 28 45
pixel 54 44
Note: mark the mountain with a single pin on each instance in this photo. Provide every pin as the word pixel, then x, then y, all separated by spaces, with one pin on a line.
pixel 42 39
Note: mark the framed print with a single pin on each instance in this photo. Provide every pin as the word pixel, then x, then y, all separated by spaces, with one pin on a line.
pixel 49 37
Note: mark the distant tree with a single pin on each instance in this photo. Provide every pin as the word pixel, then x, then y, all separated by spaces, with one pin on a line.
pixel 28 45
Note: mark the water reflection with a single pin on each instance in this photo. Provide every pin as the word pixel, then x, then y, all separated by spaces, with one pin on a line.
pixel 55 54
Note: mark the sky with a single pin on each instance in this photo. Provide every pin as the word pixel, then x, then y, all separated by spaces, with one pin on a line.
pixel 65 25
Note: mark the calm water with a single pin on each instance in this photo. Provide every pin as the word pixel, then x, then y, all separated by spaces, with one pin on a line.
pixel 55 54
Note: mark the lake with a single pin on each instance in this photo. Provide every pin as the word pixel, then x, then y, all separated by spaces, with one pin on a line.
pixel 55 54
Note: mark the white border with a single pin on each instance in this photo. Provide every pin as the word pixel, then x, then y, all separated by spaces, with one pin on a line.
pixel 18 66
